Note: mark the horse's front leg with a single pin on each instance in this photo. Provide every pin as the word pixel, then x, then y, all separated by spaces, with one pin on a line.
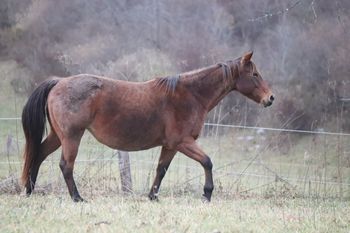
pixel 166 156
pixel 192 150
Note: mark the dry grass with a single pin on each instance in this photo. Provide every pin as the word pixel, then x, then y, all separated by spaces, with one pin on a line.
pixel 57 213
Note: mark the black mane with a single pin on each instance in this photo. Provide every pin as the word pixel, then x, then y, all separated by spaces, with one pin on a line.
pixel 169 83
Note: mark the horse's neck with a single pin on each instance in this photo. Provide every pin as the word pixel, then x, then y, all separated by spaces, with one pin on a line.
pixel 212 86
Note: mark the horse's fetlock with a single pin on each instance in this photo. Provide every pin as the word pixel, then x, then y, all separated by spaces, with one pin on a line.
pixel 208 188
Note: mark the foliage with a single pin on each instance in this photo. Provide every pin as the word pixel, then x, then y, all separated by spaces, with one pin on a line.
pixel 300 47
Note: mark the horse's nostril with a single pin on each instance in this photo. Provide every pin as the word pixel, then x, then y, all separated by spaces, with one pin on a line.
pixel 272 98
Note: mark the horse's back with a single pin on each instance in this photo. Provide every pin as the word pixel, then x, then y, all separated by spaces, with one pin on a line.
pixel 75 91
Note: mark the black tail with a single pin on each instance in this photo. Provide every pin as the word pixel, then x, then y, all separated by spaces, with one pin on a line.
pixel 33 122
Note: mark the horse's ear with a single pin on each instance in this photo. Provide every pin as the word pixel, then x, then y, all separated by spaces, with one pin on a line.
pixel 246 57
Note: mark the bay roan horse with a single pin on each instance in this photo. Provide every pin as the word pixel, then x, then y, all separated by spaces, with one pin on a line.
pixel 167 112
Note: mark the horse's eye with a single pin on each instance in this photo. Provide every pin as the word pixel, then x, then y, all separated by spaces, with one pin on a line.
pixel 255 75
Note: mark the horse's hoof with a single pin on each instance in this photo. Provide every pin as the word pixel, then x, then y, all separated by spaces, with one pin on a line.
pixel 153 197
pixel 28 192
pixel 79 199
pixel 205 200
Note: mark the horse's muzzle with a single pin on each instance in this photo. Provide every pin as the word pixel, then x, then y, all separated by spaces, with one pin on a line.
pixel 269 102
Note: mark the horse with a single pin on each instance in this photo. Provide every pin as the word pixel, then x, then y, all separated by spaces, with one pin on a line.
pixel 165 111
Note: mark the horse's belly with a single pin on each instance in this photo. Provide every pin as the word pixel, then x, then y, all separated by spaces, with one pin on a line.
pixel 131 142
pixel 129 135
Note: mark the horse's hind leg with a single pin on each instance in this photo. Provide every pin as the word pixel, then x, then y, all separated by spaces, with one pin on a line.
pixel 69 153
pixel 165 159
pixel 48 146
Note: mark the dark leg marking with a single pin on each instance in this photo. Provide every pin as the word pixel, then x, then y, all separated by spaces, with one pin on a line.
pixel 209 184
pixel 67 172
pixel 191 149
pixel 165 159
pixel 50 144
pixel 69 154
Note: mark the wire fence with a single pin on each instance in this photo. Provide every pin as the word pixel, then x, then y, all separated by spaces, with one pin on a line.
pixel 248 160
pixel 319 132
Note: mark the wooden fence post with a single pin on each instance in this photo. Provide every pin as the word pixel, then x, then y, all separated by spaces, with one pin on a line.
pixel 125 172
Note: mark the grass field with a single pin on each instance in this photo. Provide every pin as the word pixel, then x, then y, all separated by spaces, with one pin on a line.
pixel 248 197
pixel 53 213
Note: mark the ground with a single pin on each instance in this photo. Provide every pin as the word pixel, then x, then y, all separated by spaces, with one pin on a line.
pixel 52 213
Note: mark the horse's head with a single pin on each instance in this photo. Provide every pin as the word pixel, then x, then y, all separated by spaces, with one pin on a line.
pixel 250 83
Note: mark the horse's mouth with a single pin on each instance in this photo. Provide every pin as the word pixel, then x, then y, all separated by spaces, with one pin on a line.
pixel 267 103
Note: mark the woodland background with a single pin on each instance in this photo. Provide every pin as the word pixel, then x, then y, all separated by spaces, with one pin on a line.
pixel 301 48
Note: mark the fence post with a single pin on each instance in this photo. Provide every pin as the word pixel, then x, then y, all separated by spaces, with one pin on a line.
pixel 125 172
